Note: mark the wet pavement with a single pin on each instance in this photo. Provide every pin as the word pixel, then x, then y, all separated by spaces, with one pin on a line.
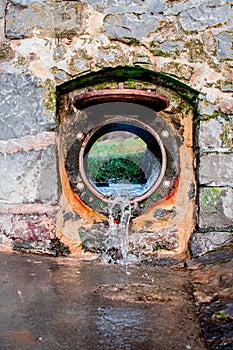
pixel 65 303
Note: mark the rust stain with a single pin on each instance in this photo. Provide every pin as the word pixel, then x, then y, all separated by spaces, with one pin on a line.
pixel 74 202
pixel 171 196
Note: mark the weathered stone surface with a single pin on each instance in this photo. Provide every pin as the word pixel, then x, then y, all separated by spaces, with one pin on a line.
pixel 206 108
pixel 5 242
pixel 23 22
pixel 224 47
pixel 6 52
pixel 2 8
pixel 21 107
pixel 216 169
pixel 69 18
pixel 44 19
pixel 106 57
pixel 179 70
pixel 32 226
pixel 202 243
pixel 25 3
pixel 28 143
pixel 204 16
pixel 95 239
pixel 149 242
pixel 176 7
pixel 53 247
pixel 130 25
pixel 172 46
pixel 226 105
pixel 27 177
pixel 127 6
pixel 216 133
pixel 216 209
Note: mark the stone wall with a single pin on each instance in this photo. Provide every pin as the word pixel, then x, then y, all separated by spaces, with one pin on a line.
pixel 46 43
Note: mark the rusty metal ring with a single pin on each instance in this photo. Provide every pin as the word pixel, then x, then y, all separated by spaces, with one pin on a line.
pixel 100 130
pixel 151 99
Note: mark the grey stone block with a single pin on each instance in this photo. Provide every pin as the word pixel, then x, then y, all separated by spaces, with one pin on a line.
pixel 21 22
pixel 216 133
pixel 2 8
pixel 216 207
pixel 216 169
pixel 172 46
pixel 224 45
pixel 49 19
pixel 175 8
pixel 27 177
pixel 21 107
pixel 204 16
pixel 25 3
pixel 128 6
pixel 202 243
pixel 130 25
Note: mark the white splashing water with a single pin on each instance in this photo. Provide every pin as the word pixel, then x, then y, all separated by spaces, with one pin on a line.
pixel 118 233
pixel 119 226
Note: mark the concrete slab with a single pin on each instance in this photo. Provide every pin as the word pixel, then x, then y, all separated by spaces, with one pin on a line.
pixel 63 303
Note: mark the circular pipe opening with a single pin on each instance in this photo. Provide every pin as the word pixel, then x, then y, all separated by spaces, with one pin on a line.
pixel 135 175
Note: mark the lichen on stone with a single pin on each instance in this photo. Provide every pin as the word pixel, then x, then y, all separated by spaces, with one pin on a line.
pixel 49 96
pixel 6 52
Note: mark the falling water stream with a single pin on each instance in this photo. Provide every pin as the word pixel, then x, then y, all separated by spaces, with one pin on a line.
pixel 119 226
pixel 119 230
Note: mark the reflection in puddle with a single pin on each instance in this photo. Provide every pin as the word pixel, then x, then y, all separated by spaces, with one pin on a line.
pixel 121 328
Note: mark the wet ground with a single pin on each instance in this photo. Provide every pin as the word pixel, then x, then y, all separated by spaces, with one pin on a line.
pixel 63 303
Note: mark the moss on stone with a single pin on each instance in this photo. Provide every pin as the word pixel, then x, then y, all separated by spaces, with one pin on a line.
pixel 226 136
pixel 209 198
pixel 6 52
pixel 129 73
pixel 195 49
pixel 49 96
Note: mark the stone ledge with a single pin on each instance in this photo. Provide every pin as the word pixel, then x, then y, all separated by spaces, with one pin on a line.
pixel 27 208
pixel 28 143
